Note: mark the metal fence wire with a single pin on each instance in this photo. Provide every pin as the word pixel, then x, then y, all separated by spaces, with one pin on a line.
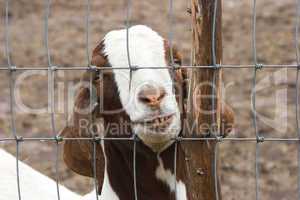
pixel 258 139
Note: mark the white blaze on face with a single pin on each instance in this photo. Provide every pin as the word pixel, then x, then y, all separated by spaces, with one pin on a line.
pixel 146 49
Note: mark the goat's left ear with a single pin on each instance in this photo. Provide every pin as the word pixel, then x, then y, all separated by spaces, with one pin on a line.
pixel 227 119
pixel 177 57
pixel 181 77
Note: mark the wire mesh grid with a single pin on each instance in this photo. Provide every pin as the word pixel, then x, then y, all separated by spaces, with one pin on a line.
pixel 258 139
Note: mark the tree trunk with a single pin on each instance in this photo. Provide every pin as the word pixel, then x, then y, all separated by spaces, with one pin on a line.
pixel 200 111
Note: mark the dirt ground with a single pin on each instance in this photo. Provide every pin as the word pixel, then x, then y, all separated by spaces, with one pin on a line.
pixel 67 44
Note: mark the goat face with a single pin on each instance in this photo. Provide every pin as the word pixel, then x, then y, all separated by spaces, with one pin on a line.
pixel 146 94
pixel 147 102
pixel 149 99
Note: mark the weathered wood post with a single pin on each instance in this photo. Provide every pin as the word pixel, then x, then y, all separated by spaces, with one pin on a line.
pixel 200 154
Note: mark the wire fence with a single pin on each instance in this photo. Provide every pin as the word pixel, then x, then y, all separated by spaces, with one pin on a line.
pixel 51 69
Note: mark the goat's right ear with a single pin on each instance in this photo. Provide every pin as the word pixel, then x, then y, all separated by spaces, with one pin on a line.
pixel 76 158
pixel 78 154
pixel 82 120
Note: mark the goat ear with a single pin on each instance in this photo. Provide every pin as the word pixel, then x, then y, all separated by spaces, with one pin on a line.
pixel 98 57
pixel 181 73
pixel 78 154
pixel 76 157
pixel 227 119
pixel 177 56
pixel 181 76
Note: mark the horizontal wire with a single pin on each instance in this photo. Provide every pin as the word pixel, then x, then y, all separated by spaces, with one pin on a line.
pixel 219 139
pixel 167 67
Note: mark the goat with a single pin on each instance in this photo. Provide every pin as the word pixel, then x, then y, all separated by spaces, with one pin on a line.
pixel 34 185
pixel 149 101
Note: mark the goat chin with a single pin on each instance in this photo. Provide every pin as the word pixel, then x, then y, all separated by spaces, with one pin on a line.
pixel 33 184
pixel 91 196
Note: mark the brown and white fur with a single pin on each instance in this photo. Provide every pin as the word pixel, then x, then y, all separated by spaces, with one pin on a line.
pixel 148 103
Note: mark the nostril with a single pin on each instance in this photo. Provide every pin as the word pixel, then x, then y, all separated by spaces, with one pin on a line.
pixel 162 94
pixel 151 96
pixel 144 99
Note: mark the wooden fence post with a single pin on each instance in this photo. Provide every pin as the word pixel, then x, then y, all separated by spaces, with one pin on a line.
pixel 200 154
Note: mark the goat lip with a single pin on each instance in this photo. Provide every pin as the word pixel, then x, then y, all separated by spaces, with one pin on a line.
pixel 153 119
pixel 157 122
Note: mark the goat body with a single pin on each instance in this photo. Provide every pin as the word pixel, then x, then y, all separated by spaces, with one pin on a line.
pixel 33 184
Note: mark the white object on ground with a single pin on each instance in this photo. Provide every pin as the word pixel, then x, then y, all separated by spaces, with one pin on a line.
pixel 33 184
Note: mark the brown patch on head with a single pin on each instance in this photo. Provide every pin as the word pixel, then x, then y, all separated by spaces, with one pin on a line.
pixel 179 74
pixel 98 57
pixel 78 154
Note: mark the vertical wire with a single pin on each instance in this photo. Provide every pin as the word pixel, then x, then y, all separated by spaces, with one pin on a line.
pixel 253 97
pixel 127 24
pixel 94 160
pixel 171 31
pixel 214 99
pixel 8 54
pixel 298 128
pixel 214 59
pixel 17 168
pixel 190 64
pixel 50 67
pixel 13 126
pixel 214 62
pixel 257 146
pixel 46 37
pixel 189 72
pixel 297 86
pixel 7 36
pixel 11 93
pixel 171 37
pixel 254 32
pixel 51 89
pixel 87 32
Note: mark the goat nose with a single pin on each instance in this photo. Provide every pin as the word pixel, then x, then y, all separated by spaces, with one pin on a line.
pixel 151 96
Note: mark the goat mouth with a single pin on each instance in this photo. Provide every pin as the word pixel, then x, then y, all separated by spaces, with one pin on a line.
pixel 158 123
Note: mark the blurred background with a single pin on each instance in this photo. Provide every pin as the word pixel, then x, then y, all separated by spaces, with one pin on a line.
pixel 67 43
